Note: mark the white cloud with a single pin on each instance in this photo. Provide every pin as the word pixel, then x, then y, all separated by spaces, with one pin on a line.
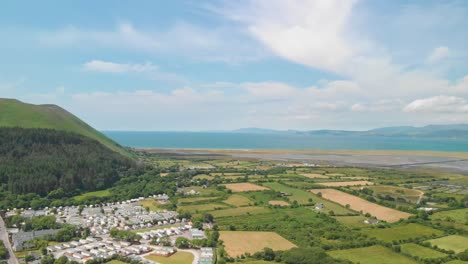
pixel 112 67
pixel 438 54
pixel 440 103
pixel 148 69
pixel 181 39
pixel 314 33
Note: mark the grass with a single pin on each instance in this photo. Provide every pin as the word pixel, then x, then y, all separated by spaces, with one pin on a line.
pixel 202 207
pixel 421 252
pixel 371 255
pixel 352 221
pixel 454 242
pixel 102 193
pixel 402 232
pixel 114 261
pixel 177 258
pixel 459 216
pixel 302 197
pixel 196 200
pixel 249 210
pixel 237 200
pixel 237 243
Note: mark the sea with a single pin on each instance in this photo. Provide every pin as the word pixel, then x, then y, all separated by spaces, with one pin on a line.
pixel 222 140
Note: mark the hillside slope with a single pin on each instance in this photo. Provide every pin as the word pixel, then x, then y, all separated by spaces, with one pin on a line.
pixel 38 160
pixel 14 113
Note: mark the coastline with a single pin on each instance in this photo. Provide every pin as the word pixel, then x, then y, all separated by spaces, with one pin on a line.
pixel 450 162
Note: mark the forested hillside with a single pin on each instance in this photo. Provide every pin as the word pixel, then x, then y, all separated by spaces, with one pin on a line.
pixel 42 160
pixel 14 113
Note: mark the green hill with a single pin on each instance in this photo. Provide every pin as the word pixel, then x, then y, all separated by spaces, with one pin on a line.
pixel 14 113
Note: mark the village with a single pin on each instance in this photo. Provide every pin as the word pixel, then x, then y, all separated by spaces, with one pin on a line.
pixel 151 227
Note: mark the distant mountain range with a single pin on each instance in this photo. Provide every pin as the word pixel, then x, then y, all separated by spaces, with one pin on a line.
pixel 429 131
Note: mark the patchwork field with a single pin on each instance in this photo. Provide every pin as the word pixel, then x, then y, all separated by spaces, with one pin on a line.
pixel 239 242
pixel 278 202
pixel 314 175
pixel 402 232
pixel 245 187
pixel 421 252
pixel 371 255
pixel 455 242
pixel 346 183
pixel 177 258
pixel 249 210
pixel 358 204
pixel 237 200
pixel 304 197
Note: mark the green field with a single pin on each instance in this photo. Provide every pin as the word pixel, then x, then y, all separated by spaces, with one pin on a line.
pixel 102 193
pixel 353 221
pixel 371 255
pixel 420 251
pixel 195 200
pixel 202 207
pixel 116 262
pixel 402 232
pixel 177 258
pixel 459 216
pixel 237 200
pixel 455 242
pixel 249 210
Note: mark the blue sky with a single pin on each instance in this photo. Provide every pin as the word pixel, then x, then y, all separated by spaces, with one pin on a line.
pixel 205 65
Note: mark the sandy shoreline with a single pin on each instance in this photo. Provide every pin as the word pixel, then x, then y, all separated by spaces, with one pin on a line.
pixel 444 161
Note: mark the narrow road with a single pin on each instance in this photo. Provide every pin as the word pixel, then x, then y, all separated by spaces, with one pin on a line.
pixel 4 236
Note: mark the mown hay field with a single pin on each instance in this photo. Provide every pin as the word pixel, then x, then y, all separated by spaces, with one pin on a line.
pixel 358 204
pixel 346 183
pixel 237 243
pixel 245 187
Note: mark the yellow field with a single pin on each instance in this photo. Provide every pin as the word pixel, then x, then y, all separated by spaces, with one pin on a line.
pixel 245 187
pixel 239 242
pixel 237 200
pixel 348 183
pixel 358 204
pixel 278 202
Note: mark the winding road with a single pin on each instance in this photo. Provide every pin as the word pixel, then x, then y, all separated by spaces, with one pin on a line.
pixel 4 236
